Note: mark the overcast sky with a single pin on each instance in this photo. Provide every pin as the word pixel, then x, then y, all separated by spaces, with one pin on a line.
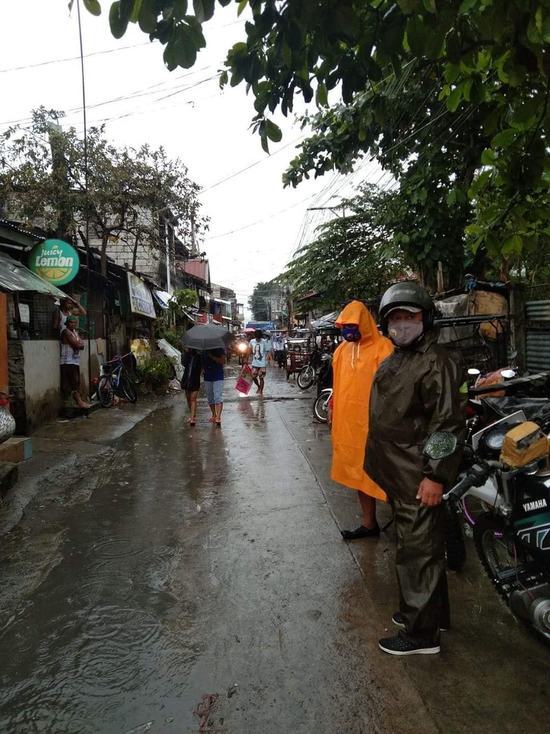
pixel 255 223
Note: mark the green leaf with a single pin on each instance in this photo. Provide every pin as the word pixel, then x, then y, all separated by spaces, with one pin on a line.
pixel 504 138
pixel 488 157
pixel 241 7
pixel 117 22
pixel 467 5
pixel 429 5
pixel 204 9
pixel 136 9
pixel 273 131
pixel 416 35
pixel 148 16
pixel 180 9
pixel 512 245
pixel 185 49
pixel 454 99
pixel 224 78
pixel 93 7
pixel 321 95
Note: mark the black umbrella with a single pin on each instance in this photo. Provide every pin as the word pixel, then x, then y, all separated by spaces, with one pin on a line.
pixel 206 336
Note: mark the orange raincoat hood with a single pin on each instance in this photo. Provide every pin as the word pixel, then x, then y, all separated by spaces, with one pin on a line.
pixel 357 313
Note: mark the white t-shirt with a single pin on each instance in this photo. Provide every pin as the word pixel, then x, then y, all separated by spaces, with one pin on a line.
pixel 259 352
pixel 69 355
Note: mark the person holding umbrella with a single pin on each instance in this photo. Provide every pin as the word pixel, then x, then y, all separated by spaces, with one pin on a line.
pixel 212 340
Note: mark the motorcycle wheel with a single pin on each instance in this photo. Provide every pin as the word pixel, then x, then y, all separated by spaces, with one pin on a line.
pixel 306 377
pixel 320 406
pixel 494 550
pixel 455 549
pixel 105 392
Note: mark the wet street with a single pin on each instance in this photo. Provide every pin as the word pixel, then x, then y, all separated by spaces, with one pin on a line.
pixel 194 580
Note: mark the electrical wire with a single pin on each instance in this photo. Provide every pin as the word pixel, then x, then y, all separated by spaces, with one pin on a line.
pixel 251 165
pixel 73 58
pixel 258 221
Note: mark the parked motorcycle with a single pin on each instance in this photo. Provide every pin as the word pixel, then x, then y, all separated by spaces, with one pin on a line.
pixel 512 536
pixel 309 374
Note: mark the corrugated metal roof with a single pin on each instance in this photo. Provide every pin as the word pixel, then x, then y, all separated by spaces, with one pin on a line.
pixel 16 277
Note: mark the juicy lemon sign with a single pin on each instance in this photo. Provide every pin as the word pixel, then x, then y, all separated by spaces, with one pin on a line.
pixel 54 260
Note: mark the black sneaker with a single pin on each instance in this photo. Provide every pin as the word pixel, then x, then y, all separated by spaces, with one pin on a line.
pixel 397 619
pixel 403 645
pixel 361 532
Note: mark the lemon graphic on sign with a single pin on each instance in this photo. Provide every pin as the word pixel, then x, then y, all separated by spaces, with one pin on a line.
pixel 54 260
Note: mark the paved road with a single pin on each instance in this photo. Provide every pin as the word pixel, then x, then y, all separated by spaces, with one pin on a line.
pixel 194 580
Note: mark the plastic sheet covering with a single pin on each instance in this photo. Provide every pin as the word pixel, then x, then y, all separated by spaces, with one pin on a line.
pixel 174 354
pixel 16 277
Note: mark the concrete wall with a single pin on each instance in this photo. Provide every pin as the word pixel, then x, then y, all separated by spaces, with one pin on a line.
pixel 42 389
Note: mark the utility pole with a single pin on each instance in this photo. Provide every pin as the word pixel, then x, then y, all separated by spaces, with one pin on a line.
pixel 333 209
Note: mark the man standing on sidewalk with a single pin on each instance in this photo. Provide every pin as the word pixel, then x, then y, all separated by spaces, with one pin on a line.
pixel 416 392
pixel 213 362
pixel 71 347
pixel 259 348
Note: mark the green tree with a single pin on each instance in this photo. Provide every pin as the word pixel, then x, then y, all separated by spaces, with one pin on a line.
pixel 260 300
pixel 485 55
pixel 43 181
pixel 356 256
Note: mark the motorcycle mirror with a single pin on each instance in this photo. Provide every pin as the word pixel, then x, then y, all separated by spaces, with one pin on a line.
pixel 440 445
pixel 474 372
pixel 508 374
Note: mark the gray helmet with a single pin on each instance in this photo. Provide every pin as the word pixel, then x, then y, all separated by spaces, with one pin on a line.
pixel 410 296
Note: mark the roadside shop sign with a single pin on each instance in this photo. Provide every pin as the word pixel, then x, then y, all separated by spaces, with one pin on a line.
pixel 54 260
pixel 141 298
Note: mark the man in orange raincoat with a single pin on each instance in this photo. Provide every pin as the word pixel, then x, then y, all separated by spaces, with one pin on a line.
pixel 354 365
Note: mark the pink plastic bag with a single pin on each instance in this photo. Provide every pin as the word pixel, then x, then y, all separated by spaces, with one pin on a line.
pixel 244 380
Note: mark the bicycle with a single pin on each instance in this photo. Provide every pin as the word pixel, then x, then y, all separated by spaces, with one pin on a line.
pixel 115 380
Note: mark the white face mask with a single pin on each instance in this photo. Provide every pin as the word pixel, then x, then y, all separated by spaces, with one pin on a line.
pixel 404 333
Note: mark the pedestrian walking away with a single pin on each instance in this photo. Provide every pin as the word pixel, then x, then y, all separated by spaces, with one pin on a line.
pixel 354 364
pixel 213 362
pixel 71 347
pixel 259 348
pixel 191 381
pixel 416 392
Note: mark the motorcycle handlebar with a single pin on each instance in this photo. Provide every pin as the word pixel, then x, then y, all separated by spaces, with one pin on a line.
pixel 474 478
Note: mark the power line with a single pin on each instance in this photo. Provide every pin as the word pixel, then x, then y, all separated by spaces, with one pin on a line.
pixel 251 165
pixel 73 58
pixel 258 221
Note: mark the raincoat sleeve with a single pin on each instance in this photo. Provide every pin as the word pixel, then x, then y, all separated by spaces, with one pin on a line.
pixel 440 392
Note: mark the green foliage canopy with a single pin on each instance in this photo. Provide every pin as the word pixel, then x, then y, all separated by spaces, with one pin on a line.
pixel 486 56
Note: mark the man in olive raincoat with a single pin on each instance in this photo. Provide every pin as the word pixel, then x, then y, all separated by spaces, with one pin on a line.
pixel 416 392
pixel 354 364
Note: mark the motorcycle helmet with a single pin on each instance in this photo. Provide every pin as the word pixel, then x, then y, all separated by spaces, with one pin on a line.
pixel 410 296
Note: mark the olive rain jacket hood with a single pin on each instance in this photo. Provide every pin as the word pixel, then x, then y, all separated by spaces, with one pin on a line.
pixel 354 366
pixel 416 392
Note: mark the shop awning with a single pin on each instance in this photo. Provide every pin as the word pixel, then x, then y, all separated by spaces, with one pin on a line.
pixel 325 321
pixel 16 277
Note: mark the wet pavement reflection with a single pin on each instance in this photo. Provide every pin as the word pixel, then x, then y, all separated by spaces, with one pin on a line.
pixel 198 583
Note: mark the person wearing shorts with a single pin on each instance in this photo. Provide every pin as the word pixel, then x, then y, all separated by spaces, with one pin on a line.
pixel 213 362
pixel 71 346
pixel 259 348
